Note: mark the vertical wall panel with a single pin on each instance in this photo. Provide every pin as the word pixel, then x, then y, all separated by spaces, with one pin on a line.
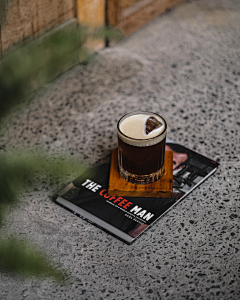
pixel 114 12
pixel 27 18
pixel 91 12
pixel 136 13
pixel 127 3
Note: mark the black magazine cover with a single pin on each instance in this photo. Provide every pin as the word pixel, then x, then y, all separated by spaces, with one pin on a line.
pixel 128 217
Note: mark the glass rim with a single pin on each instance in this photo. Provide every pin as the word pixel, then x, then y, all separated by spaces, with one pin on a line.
pixel 139 112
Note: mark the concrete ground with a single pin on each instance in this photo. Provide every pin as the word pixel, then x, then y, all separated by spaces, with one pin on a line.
pixel 184 65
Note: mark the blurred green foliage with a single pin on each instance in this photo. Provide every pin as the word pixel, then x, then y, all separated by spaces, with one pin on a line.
pixel 21 72
pixel 19 257
pixel 37 63
pixel 18 172
pixel 30 65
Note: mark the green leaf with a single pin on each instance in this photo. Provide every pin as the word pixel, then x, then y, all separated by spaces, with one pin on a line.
pixel 18 257
pixel 19 170
pixel 109 32
pixel 37 63
pixel 21 72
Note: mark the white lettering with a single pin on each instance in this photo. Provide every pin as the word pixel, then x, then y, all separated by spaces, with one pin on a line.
pixel 142 213
pixel 87 181
pixel 91 185
pixel 97 187
pixel 136 209
pixel 148 216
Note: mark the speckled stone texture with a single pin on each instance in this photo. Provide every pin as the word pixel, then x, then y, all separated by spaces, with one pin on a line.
pixel 184 65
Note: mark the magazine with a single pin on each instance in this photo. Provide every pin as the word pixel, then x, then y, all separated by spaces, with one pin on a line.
pixel 128 217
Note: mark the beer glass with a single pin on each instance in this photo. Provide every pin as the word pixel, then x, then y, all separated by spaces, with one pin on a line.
pixel 141 147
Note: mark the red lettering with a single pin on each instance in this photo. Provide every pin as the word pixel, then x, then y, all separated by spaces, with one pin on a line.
pixel 101 193
pixel 118 199
pixel 122 202
pixel 106 195
pixel 127 205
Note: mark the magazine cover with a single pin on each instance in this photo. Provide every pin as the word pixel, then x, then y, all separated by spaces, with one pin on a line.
pixel 128 217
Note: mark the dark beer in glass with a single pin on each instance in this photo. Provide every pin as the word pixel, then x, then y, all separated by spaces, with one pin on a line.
pixel 141 151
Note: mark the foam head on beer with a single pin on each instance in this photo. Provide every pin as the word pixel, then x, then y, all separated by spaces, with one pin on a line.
pixel 142 126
